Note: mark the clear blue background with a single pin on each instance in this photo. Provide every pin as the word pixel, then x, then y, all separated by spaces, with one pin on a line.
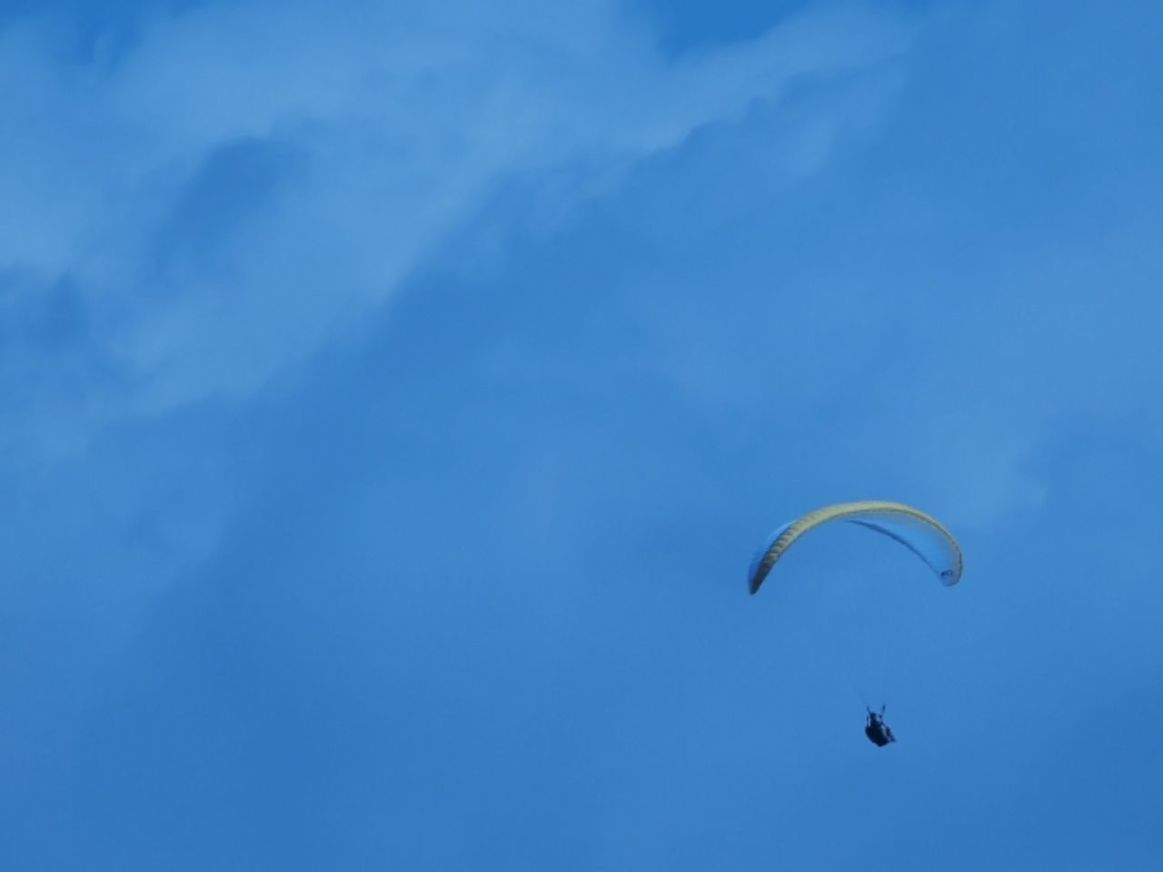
pixel 392 396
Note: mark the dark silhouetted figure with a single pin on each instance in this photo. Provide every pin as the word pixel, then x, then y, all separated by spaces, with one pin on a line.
pixel 877 730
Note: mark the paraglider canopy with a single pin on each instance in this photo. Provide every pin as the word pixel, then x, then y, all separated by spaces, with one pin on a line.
pixel 922 534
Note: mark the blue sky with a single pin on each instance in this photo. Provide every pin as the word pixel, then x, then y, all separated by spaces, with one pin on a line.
pixel 393 398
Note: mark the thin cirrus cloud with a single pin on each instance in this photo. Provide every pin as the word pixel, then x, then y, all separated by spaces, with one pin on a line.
pixel 241 184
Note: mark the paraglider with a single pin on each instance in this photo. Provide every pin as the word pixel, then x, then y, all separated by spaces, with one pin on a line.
pixel 920 533
pixel 878 732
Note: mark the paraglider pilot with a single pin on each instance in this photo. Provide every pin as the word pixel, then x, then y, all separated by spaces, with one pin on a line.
pixel 877 730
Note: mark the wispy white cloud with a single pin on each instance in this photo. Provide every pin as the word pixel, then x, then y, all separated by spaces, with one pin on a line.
pixel 249 179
